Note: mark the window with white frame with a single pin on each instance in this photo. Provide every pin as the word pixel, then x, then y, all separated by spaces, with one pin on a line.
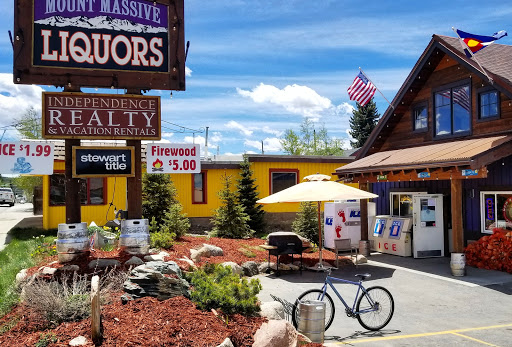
pixel 496 210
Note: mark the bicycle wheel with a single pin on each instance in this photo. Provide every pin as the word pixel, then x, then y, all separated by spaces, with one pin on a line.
pixel 315 294
pixel 380 305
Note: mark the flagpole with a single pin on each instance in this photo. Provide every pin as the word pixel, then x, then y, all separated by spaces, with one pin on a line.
pixel 464 46
pixel 376 87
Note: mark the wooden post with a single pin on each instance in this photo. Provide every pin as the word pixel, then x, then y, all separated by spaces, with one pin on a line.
pixel 364 213
pixel 95 311
pixel 457 230
pixel 73 211
pixel 134 184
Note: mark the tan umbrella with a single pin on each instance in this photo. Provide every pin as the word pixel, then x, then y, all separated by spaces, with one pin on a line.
pixel 317 188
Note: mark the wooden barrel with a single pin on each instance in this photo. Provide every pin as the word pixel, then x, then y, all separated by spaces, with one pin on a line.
pixel 134 238
pixel 72 241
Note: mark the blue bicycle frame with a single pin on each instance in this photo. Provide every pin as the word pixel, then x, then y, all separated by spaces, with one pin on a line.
pixel 360 289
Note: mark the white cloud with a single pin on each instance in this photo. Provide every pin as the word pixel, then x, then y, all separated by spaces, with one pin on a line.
pixel 294 98
pixel 16 99
pixel 269 130
pixel 188 71
pixel 269 144
pixel 235 125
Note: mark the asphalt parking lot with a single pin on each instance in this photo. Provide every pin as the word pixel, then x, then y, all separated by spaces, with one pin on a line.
pixel 432 307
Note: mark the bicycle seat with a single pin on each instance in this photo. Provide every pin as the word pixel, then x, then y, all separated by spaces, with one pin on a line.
pixel 364 276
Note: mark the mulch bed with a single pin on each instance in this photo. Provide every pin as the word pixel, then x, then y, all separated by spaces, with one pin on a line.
pixel 147 321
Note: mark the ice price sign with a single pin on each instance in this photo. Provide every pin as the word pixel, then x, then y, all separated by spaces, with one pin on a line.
pixel 33 158
pixel 173 158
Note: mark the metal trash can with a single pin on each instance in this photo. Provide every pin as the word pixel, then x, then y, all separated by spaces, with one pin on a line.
pixel 458 264
pixel 312 319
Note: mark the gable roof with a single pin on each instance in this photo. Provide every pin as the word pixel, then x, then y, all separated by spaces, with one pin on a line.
pixel 495 59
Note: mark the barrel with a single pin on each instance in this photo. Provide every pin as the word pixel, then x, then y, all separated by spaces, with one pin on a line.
pixel 134 238
pixel 312 319
pixel 458 264
pixel 72 241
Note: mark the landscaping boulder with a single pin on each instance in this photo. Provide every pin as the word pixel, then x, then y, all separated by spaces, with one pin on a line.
pixel 226 343
pixel 237 269
pixel 70 268
pixel 250 268
pixel 214 251
pixel 265 267
pixel 156 257
pixel 134 261
pixel 275 333
pixel 159 279
pixel 360 259
pixel 79 341
pixel 272 310
pixel 102 263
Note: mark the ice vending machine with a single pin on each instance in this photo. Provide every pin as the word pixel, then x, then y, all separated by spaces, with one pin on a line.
pixel 391 235
pixel 342 220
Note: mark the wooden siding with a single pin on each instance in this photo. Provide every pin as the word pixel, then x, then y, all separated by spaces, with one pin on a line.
pixel 183 183
pixel 54 215
pixel 448 71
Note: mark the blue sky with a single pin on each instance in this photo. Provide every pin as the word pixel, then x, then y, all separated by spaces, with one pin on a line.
pixel 257 68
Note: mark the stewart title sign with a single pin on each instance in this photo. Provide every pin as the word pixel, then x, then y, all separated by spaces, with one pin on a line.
pixel 118 39
pixel 101 116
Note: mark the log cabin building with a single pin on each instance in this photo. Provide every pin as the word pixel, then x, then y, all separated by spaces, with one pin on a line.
pixel 448 132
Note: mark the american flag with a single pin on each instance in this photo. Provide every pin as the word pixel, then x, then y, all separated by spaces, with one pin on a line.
pixel 361 90
pixel 460 96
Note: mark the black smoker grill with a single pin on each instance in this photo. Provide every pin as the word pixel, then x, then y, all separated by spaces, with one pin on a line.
pixel 280 243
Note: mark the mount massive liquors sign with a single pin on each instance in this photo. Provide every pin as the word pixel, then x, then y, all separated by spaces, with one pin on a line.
pixel 122 37
pixel 101 116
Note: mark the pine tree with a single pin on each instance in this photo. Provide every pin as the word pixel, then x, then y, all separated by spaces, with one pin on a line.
pixel 229 219
pixel 248 195
pixel 306 221
pixel 363 121
pixel 158 194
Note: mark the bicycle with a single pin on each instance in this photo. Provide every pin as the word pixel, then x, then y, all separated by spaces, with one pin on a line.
pixel 373 307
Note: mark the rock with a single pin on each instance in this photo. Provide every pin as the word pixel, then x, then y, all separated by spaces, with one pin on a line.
pixel 250 268
pixel 154 251
pixel 78 341
pixel 21 276
pixel 70 268
pixel 195 255
pixel 226 343
pixel 212 250
pixel 134 261
pixel 237 269
pixel 275 333
pixel 125 298
pixel 156 257
pixel 293 267
pixel 264 267
pixel 272 310
pixel 304 338
pixel 189 262
pixel 159 279
pixel 48 271
pixel 101 263
pixel 361 259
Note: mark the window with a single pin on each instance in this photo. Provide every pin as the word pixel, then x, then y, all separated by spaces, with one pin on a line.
pixel 496 210
pixel 401 203
pixel 282 178
pixel 488 104
pixel 420 117
pixel 452 111
pixel 199 188
pixel 92 190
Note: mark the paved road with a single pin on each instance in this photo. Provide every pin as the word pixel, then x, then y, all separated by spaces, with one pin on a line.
pixel 19 214
pixel 432 308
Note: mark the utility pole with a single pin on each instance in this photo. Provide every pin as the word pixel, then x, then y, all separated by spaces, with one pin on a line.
pixel 206 145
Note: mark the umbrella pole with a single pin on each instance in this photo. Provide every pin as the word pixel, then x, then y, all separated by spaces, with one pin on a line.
pixel 319 235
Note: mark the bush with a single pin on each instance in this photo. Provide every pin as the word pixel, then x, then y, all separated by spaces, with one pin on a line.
pixel 158 194
pixel 175 222
pixel 68 299
pixel 216 287
pixel 306 222
pixel 161 239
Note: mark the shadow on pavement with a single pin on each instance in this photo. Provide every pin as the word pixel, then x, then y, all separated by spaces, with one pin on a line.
pixel 361 334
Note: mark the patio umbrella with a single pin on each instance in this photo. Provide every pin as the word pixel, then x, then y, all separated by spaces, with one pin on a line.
pixel 317 188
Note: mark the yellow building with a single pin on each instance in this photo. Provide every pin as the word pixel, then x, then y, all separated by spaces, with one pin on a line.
pixel 198 193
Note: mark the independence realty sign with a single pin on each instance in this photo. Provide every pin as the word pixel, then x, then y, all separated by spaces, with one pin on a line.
pixel 122 36
pixel 103 161
pixel 100 116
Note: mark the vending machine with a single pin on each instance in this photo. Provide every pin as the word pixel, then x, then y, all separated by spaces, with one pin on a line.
pixel 342 220
pixel 391 235
pixel 428 227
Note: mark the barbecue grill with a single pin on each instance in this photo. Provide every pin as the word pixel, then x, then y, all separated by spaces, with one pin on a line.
pixel 283 242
